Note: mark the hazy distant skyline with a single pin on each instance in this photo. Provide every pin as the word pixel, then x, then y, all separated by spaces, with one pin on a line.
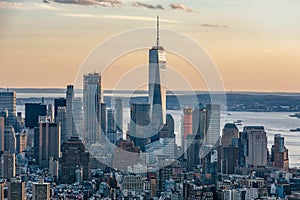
pixel 255 44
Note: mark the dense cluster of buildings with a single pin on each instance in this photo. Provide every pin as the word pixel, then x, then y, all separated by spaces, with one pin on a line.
pixel 78 148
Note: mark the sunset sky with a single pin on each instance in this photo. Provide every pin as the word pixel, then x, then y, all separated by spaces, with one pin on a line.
pixel 254 44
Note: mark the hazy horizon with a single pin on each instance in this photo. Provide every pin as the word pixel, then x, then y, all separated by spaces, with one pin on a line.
pixel 255 45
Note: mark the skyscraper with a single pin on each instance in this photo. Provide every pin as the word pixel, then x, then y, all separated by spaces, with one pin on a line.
pixel 32 113
pixel 92 107
pixel 9 139
pixel 61 102
pixel 111 130
pixel 1 133
pixel 199 122
pixel 119 114
pixel 187 122
pixel 230 134
pixel 257 146
pixel 139 125
pixel 46 143
pixel 279 153
pixel 8 109
pixel 157 61
pixel 8 102
pixel 21 141
pixel 212 124
pixel 74 156
pixel 70 129
pixel 61 119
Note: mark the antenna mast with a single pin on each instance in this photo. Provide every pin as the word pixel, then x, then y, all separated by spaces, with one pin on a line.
pixel 157 29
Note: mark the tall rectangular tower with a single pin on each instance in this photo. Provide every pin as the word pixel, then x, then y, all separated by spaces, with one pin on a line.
pixel 70 129
pixel 119 114
pixel 257 145
pixel 157 62
pixel 212 124
pixel 1 133
pixel 46 143
pixel 8 102
pixel 92 107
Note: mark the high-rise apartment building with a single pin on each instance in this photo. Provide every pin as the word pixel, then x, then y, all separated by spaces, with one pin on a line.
pixel 92 107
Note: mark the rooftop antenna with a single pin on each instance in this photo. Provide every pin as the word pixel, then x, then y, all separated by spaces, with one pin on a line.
pixel 157 31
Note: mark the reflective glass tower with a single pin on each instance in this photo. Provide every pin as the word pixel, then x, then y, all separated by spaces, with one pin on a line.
pixel 157 62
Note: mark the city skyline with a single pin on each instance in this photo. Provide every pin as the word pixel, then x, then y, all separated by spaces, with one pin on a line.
pixel 252 52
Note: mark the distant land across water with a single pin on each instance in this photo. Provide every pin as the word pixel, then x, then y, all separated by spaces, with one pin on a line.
pixel 235 101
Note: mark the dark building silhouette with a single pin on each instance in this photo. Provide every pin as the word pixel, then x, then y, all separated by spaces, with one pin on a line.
pixel 74 156
pixel 119 114
pixel 2 124
pixel 111 130
pixel 61 102
pixel 243 148
pixel 228 151
pixel 103 118
pixel 139 130
pixel 32 113
pixel 70 127
pixel 46 143
pixel 199 122
pixel 163 175
pixel 227 159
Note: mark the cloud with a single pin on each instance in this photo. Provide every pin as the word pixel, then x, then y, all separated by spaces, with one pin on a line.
pixel 214 26
pixel 180 7
pixel 90 2
pixel 27 5
pixel 120 17
pixel 147 5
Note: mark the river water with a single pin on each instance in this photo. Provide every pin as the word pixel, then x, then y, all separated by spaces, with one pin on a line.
pixel 274 122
